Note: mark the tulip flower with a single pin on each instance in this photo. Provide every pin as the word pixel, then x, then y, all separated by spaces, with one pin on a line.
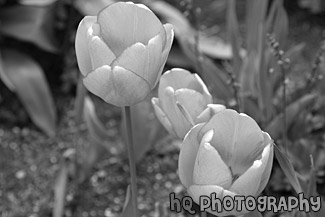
pixel 182 97
pixel 229 155
pixel 122 52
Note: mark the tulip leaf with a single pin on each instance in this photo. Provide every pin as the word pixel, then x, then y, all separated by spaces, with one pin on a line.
pixel 288 169
pixel 214 47
pixel 277 22
pixel 91 8
pixel 128 205
pixel 32 88
pixel 275 127
pixel 256 12
pixel 37 2
pixel 96 128
pixel 33 24
pixel 215 78
pixel 60 191
pixel 4 77
pixel 146 127
pixel 233 31
pixel 312 185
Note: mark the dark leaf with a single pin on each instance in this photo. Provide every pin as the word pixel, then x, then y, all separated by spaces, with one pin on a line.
pixel 211 46
pixel 32 88
pixel 288 169
pixel 90 7
pixel 275 127
pixel 96 129
pixel 34 24
pixel 37 2
pixel 233 32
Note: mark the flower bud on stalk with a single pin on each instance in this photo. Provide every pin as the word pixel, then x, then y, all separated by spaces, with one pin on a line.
pixel 122 52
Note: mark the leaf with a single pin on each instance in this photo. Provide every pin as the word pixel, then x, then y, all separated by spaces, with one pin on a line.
pixel 265 92
pixel 91 7
pixel 256 12
pixel 96 128
pixel 215 78
pixel 233 32
pixel 32 88
pixel 312 185
pixel 128 205
pixel 4 77
pixel 275 127
pixel 146 127
pixel 288 169
pixel 34 24
pixel 278 23
pixel 37 2
pixel 212 46
pixel 59 191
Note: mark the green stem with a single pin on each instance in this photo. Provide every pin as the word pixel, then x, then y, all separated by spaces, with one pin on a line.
pixel 128 122
pixel 284 105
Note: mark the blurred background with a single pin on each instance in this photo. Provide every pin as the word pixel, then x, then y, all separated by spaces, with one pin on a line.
pixel 62 149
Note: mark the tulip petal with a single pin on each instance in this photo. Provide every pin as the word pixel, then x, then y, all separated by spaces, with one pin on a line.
pixel 124 24
pixel 168 103
pixel 81 46
pixel 223 124
pixel 154 55
pixel 249 183
pixel 180 78
pixel 196 191
pixel 207 113
pixel 99 52
pixel 169 38
pixel 268 168
pixel 166 49
pixel 187 155
pixel 249 144
pixel 133 58
pixel 210 169
pixel 162 116
pixel 117 85
pixel 143 60
pixel 238 139
pixel 192 100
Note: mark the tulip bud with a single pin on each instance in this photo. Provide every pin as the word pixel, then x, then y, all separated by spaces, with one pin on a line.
pixel 229 155
pixel 122 52
pixel 182 97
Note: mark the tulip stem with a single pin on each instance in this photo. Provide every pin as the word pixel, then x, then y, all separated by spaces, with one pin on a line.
pixel 128 122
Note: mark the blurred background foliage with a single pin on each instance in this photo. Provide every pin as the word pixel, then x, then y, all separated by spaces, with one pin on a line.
pixel 245 51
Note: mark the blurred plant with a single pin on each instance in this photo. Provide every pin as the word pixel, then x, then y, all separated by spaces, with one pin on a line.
pixel 315 6
pixel 21 73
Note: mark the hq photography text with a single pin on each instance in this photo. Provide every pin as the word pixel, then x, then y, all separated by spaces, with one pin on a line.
pixel 249 203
